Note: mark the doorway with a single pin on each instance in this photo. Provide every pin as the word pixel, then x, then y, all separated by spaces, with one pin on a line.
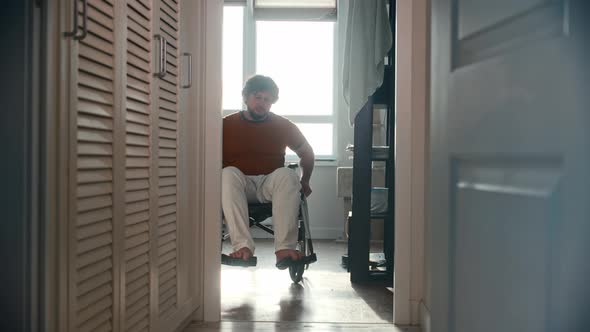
pixel 409 267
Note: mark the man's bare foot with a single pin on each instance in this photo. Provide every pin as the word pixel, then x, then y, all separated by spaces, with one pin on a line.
pixel 284 253
pixel 244 253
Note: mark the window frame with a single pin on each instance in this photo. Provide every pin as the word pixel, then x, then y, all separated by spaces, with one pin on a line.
pixel 249 61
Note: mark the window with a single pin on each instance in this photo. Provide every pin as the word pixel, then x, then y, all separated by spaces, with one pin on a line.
pixel 297 54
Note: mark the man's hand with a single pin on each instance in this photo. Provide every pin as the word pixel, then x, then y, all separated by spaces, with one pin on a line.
pixel 305 188
pixel 307 159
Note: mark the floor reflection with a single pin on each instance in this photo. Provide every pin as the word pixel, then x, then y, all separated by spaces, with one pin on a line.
pixel 266 294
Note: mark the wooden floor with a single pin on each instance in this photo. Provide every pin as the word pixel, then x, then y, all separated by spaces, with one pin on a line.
pixel 295 326
pixel 265 299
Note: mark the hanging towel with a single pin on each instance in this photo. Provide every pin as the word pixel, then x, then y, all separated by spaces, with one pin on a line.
pixel 367 40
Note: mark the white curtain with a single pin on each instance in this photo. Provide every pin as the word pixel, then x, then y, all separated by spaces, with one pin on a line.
pixel 367 39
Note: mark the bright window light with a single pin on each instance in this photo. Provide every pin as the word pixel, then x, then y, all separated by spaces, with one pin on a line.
pixel 319 136
pixel 297 54
pixel 296 3
pixel 233 53
pixel 299 57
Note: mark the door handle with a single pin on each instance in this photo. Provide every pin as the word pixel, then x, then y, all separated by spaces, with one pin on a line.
pixel 75 31
pixel 84 20
pixel 163 49
pixel 190 70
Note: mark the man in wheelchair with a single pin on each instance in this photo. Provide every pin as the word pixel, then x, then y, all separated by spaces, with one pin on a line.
pixel 254 144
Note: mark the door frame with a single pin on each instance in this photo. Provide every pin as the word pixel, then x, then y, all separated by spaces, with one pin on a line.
pixel 413 56
pixel 207 72
pixel 412 164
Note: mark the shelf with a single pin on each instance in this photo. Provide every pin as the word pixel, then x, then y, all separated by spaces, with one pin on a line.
pixel 374 141
pixel 378 153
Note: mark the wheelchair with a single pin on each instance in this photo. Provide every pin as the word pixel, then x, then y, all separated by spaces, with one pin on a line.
pixel 259 212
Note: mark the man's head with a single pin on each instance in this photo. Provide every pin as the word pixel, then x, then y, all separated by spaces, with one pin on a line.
pixel 259 93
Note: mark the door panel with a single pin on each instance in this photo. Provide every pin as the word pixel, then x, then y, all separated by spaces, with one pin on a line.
pixel 167 226
pixel 509 166
pixel 123 244
pixel 138 106
pixel 93 262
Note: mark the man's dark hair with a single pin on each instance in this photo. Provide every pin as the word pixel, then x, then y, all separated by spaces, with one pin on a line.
pixel 259 83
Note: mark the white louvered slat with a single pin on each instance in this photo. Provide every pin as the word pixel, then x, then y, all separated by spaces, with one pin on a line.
pixel 136 262
pixel 142 216
pixel 136 207
pixel 138 85
pixel 138 107
pixel 124 228
pixel 94 256
pixel 137 58
pixel 138 96
pixel 137 140
pixel 93 276
pixel 166 105
pixel 85 107
pixel 136 251
pixel 137 173
pixel 87 299
pixel 168 200
pixel 138 300
pixel 141 271
pixel 137 166
pixel 89 52
pixel 94 149
pixel 138 73
pixel 97 44
pixel 139 118
pixel 95 82
pixel 94 216
pixel 134 185
pixel 167 94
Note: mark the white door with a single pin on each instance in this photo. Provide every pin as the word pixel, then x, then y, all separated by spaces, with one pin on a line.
pixel 510 164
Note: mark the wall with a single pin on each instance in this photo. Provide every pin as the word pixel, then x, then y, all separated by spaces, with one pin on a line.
pixel 411 160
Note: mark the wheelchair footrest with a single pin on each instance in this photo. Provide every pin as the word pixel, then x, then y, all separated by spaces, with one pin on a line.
pixel 288 262
pixel 310 259
pixel 227 260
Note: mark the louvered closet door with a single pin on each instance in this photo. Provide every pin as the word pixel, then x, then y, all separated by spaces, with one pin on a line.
pixel 123 244
pixel 138 106
pixel 166 141
pixel 92 263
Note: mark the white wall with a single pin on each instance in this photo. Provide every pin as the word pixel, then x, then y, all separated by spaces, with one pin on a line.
pixel 411 160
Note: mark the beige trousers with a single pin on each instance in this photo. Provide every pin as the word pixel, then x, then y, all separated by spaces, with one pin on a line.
pixel 281 187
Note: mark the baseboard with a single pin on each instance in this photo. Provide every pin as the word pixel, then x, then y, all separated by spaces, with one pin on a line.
pixel 424 318
pixel 415 317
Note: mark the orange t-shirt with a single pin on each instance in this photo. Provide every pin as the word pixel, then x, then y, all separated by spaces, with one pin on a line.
pixel 258 148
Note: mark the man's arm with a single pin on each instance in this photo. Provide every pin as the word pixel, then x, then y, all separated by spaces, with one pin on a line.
pixel 306 162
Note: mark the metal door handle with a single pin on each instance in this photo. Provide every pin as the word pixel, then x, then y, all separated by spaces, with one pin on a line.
pixel 74 33
pixel 163 48
pixel 84 20
pixel 190 70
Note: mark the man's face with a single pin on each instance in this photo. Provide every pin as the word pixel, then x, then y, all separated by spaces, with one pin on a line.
pixel 259 104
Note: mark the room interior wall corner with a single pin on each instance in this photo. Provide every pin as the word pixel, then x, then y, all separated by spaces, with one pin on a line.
pixel 411 161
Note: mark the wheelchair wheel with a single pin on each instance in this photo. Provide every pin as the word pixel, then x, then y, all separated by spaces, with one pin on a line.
pixel 296 272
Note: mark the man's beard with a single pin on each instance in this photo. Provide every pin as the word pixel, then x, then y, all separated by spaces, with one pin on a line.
pixel 257 117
